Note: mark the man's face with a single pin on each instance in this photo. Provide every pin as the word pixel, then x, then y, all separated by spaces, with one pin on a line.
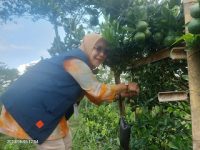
pixel 99 53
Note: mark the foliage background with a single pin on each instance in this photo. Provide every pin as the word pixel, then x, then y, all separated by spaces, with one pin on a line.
pixel 155 125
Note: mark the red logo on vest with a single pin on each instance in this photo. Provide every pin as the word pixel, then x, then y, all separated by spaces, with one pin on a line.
pixel 40 124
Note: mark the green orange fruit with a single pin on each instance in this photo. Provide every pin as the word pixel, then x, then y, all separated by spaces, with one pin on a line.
pixel 139 37
pixel 169 40
pixel 147 33
pixel 194 26
pixel 142 26
pixel 195 10
pixel 158 37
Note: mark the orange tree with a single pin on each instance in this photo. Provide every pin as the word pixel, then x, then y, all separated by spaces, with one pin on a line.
pixel 136 29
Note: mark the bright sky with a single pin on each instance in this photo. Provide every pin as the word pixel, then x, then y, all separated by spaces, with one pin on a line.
pixel 25 41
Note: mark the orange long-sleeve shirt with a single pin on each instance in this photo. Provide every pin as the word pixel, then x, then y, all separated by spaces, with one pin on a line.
pixel 95 91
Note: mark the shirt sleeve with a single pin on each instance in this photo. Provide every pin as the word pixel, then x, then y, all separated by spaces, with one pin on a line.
pixel 95 91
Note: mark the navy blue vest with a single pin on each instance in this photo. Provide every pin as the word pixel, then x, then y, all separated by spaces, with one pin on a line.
pixel 43 95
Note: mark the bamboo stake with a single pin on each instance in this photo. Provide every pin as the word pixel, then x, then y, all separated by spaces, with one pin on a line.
pixel 121 103
pixel 178 53
pixel 172 96
pixel 193 59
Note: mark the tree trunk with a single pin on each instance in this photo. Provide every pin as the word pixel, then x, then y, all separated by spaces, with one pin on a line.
pixel 56 30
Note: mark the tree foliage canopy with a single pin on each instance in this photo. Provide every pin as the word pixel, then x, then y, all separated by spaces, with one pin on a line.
pixel 7 76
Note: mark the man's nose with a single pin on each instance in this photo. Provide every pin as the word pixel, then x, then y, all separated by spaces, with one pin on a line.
pixel 102 54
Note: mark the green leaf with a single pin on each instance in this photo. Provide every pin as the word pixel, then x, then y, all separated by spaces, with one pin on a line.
pixel 171 145
pixel 185 77
pixel 176 10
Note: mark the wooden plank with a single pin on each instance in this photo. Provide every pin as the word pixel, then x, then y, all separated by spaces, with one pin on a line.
pixel 162 54
pixel 175 53
pixel 172 96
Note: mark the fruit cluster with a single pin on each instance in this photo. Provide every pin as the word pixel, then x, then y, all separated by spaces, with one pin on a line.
pixel 194 25
pixel 142 31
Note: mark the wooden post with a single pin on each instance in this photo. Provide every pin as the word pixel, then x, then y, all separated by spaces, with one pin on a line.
pixel 121 102
pixel 193 59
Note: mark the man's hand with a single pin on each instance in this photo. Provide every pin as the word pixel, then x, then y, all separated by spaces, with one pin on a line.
pixel 132 90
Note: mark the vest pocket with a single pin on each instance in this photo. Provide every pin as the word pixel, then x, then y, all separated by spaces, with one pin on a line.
pixel 41 118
